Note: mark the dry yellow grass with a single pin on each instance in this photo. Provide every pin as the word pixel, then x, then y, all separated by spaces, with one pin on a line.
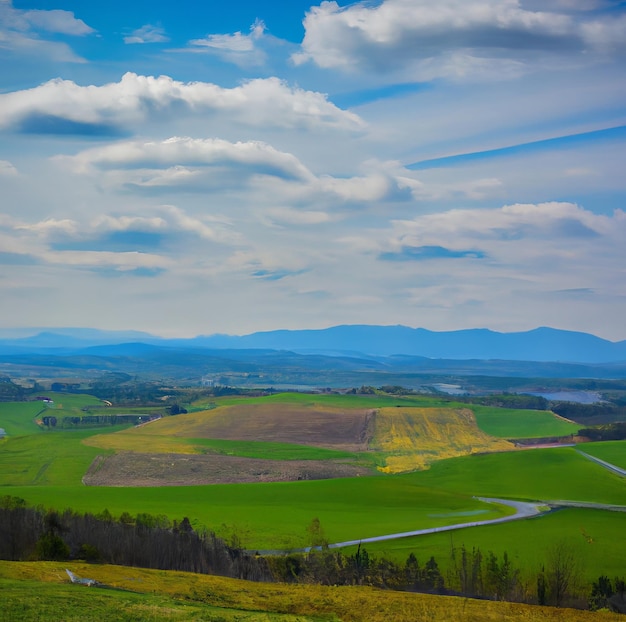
pixel 136 440
pixel 412 438
pixel 349 604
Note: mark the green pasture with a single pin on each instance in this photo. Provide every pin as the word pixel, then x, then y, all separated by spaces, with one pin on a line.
pixel 51 458
pixel 276 515
pixel 71 401
pixel 515 423
pixel 609 451
pixel 18 418
pixel 534 474
pixel 595 536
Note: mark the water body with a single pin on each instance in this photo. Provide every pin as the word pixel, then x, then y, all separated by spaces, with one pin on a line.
pixel 580 397
pixel 450 389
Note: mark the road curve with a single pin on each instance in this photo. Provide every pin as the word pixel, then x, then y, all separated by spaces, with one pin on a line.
pixel 522 510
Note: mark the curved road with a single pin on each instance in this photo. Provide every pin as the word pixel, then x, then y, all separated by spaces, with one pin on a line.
pixel 522 510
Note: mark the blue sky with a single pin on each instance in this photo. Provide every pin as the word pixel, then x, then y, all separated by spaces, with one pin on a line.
pixel 199 167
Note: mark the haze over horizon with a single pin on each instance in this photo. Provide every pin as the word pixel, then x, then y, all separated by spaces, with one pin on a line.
pixel 201 168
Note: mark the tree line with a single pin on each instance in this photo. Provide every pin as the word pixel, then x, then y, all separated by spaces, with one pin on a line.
pixel 144 540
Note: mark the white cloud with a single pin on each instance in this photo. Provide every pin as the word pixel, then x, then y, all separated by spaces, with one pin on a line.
pixel 57 21
pixel 450 38
pixel 215 164
pixel 264 102
pixel 24 32
pixel 147 34
pixel 236 42
pixel 180 159
pixel 49 226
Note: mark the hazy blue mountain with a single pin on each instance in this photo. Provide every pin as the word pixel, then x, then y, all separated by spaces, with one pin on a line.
pixel 541 344
pixel 348 342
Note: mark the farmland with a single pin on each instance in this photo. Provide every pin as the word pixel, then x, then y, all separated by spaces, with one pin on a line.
pixel 261 469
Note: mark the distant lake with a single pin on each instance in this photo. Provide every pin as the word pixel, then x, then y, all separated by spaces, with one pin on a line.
pixel 450 389
pixel 580 397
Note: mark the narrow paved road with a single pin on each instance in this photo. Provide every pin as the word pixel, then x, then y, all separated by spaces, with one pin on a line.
pixel 522 510
pixel 607 465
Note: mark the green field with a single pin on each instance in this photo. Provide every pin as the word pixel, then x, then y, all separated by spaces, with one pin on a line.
pixel 46 467
pixel 46 459
pixel 18 418
pixel 609 451
pixel 535 474
pixel 276 515
pixel 515 423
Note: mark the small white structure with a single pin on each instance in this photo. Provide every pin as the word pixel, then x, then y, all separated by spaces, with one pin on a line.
pixel 75 579
pixel 2 433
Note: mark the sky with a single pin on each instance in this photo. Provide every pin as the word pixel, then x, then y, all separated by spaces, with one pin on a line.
pixel 200 167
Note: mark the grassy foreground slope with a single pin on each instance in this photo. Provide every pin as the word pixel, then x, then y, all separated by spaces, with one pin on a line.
pixel 40 591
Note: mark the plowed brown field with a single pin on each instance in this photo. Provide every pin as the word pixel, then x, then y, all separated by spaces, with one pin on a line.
pixel 333 428
pixel 136 469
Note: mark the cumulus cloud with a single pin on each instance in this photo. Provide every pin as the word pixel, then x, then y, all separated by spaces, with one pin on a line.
pixel 541 236
pixel 180 160
pixel 264 102
pixel 122 242
pixel 450 38
pixel 211 165
pixel 147 34
pixel 27 32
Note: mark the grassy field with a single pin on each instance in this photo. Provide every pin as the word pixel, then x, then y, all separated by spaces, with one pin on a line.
pixel 514 423
pixel 40 591
pixel 534 474
pixel 46 467
pixel 46 459
pixel 609 451
pixel 18 418
pixel 276 515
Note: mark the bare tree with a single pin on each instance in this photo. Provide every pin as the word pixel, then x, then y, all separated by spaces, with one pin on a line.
pixel 562 572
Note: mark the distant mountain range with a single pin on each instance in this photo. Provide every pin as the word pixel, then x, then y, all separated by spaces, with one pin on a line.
pixel 350 342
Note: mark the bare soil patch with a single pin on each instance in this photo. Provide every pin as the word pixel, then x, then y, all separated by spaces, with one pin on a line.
pixel 349 430
pixel 135 469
